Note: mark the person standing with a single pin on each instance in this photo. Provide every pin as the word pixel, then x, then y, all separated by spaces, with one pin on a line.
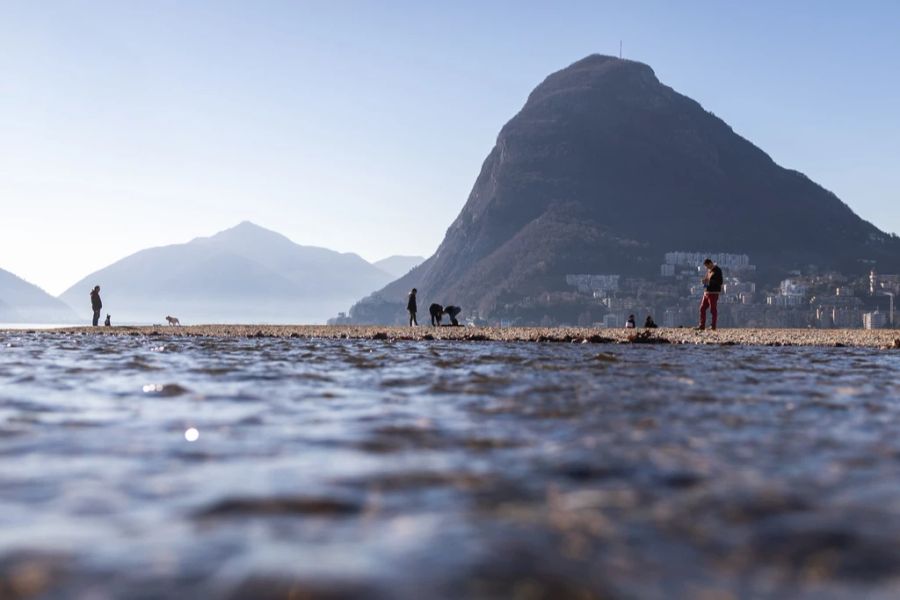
pixel 412 308
pixel 96 304
pixel 629 323
pixel 713 284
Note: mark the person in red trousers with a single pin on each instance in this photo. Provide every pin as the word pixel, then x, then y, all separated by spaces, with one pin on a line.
pixel 713 284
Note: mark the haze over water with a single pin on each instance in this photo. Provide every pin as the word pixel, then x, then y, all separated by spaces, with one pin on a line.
pixel 407 469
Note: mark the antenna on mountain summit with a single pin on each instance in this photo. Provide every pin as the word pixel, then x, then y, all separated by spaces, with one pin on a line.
pixel 620 48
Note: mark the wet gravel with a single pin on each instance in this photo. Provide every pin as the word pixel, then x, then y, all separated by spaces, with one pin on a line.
pixel 872 338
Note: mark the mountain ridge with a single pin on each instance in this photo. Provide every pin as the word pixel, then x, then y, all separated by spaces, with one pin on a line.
pixel 243 273
pixel 398 264
pixel 24 302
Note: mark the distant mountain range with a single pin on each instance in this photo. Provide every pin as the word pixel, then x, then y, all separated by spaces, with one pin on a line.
pixel 603 171
pixel 397 265
pixel 22 302
pixel 244 274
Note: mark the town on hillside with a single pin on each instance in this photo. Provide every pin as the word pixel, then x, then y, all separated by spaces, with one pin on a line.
pixel 817 300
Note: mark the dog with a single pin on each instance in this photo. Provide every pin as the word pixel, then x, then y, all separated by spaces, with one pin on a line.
pixel 107 322
pixel 173 321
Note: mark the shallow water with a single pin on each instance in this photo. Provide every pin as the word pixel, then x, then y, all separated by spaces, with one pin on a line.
pixel 347 468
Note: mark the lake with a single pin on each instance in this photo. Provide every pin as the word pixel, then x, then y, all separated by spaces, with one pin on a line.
pixel 148 467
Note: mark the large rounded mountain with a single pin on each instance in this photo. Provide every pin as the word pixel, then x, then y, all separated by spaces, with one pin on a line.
pixel 603 171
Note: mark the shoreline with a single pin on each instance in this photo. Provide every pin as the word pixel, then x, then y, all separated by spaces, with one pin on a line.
pixel 860 338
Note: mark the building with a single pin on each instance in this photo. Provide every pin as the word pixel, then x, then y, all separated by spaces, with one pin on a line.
pixel 597 285
pixel 738 287
pixel 846 317
pixel 614 320
pixel 824 318
pixel 875 320
pixel 724 260
pixel 785 300
pixel 791 287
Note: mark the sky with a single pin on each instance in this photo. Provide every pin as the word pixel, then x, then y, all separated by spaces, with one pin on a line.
pixel 361 126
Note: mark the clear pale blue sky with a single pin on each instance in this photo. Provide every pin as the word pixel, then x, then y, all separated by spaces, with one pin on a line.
pixel 360 126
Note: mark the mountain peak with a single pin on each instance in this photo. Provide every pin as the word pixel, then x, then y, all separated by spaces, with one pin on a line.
pixel 586 83
pixel 245 232
pixel 593 61
pixel 246 227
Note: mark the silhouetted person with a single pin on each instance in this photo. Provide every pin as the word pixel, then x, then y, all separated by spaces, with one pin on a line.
pixel 412 308
pixel 629 324
pixel 107 322
pixel 96 304
pixel 436 311
pixel 649 323
pixel 452 311
pixel 713 284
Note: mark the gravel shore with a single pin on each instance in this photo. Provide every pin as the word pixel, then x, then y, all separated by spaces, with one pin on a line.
pixel 880 338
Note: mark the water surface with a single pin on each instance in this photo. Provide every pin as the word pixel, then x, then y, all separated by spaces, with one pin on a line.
pixel 347 468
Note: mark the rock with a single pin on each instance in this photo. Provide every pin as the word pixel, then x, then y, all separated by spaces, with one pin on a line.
pixel 646 337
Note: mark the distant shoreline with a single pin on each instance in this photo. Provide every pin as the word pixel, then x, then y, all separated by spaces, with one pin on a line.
pixel 865 338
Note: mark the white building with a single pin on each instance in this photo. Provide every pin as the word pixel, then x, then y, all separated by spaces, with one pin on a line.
pixel 789 287
pixel 786 300
pixel 875 320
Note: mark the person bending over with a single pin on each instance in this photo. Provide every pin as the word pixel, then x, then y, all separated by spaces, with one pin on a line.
pixel 436 311
pixel 452 311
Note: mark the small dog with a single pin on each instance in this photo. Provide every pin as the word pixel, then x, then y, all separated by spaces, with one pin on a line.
pixel 107 322
pixel 173 321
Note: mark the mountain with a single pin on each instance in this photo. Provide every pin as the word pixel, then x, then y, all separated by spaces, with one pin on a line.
pixel 398 265
pixel 603 171
pixel 243 274
pixel 22 302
